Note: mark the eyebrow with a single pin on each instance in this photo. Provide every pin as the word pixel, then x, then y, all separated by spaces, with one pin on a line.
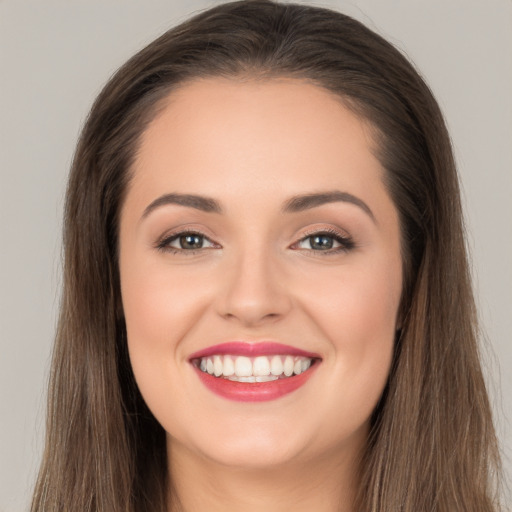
pixel 295 204
pixel 307 201
pixel 205 204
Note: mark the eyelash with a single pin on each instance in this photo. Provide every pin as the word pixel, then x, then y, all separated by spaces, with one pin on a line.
pixel 346 242
pixel 164 244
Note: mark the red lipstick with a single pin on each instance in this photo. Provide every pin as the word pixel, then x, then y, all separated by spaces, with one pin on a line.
pixel 254 391
pixel 241 348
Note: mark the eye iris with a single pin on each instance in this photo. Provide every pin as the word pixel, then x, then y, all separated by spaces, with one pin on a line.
pixel 191 241
pixel 321 242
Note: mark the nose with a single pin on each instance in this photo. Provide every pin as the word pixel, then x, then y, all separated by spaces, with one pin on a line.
pixel 254 291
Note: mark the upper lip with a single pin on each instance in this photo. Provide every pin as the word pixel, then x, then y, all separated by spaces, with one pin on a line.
pixel 251 349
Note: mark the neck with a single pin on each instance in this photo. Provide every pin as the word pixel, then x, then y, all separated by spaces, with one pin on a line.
pixel 326 485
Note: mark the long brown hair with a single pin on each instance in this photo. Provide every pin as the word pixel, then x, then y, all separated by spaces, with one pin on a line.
pixel 432 445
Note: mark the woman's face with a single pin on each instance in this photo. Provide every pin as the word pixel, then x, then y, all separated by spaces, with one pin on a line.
pixel 260 273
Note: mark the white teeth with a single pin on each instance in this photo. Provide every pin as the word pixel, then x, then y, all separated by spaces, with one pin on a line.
pixel 261 366
pixel 217 366
pixel 257 369
pixel 276 366
pixel 265 378
pixel 229 367
pixel 252 378
pixel 243 366
pixel 243 379
pixel 288 366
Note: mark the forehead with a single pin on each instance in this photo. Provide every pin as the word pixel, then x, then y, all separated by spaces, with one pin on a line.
pixel 285 133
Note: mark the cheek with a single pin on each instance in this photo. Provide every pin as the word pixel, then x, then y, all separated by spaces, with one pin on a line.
pixel 159 305
pixel 163 307
pixel 357 312
pixel 356 305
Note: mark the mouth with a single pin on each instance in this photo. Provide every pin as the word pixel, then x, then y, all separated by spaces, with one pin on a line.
pixel 253 372
pixel 253 369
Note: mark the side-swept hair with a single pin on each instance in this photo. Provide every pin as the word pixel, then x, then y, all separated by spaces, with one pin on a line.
pixel 432 445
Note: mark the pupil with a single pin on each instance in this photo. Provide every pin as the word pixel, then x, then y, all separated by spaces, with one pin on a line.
pixel 191 241
pixel 321 242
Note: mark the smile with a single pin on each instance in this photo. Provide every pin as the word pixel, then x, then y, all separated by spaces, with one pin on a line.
pixel 254 369
pixel 253 372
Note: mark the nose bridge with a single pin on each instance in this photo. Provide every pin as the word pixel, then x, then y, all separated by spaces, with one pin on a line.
pixel 253 289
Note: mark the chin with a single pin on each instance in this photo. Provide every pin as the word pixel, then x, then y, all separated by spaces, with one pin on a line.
pixel 247 445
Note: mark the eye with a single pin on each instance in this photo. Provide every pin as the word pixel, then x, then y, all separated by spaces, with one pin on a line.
pixel 325 242
pixel 186 241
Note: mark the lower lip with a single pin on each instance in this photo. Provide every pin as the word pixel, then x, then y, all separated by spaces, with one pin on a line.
pixel 254 391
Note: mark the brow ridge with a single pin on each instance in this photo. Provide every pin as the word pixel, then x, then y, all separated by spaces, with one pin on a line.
pixel 205 204
pixel 295 204
pixel 307 201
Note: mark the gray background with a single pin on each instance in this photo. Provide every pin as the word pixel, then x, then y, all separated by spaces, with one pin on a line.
pixel 55 56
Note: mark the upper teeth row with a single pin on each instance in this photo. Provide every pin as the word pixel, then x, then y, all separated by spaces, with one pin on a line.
pixel 242 366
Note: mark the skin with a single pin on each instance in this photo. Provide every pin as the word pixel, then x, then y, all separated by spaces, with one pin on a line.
pixel 252 145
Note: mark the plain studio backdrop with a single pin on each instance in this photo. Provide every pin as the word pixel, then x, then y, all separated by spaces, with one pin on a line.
pixel 55 57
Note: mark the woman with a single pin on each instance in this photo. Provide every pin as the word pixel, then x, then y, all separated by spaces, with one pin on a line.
pixel 266 295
